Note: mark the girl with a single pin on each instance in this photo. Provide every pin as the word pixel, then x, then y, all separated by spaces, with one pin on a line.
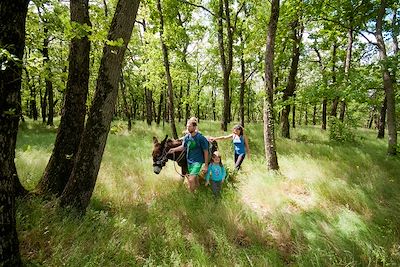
pixel 217 172
pixel 240 143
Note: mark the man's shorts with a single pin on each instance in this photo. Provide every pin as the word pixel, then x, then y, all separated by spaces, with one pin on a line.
pixel 195 168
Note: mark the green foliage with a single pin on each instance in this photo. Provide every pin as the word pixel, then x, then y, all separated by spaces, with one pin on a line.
pixel 340 131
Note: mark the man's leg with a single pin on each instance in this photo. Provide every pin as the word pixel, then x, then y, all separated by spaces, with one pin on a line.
pixel 192 182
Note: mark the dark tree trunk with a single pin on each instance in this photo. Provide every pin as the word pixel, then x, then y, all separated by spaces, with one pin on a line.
pixel 382 120
pixel 242 81
pixel 125 102
pixel 314 116
pixel 12 37
pixel 297 33
pixel 69 133
pixel 180 103
pixel 294 116
pixel 226 60
pixel 187 108
pixel 79 188
pixel 171 108
pixel 269 128
pixel 160 108
pixel 149 101
pixel 48 82
pixel 324 104
pixel 335 102
pixel 387 83
pixel 43 105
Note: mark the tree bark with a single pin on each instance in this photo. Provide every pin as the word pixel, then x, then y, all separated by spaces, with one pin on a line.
pixel 125 102
pixel 269 128
pixel 347 64
pixel 79 188
pixel 387 82
pixel 324 104
pixel 335 101
pixel 297 33
pixel 12 37
pixel 226 60
pixel 167 73
pixel 69 133
pixel 149 101
pixel 242 81
pixel 49 84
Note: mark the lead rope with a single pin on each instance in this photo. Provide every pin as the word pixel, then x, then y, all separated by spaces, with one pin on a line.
pixel 176 160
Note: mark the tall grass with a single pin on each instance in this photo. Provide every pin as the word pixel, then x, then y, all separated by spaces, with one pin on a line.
pixel 331 204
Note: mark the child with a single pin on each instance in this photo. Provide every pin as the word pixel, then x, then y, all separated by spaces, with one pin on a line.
pixel 217 172
pixel 240 143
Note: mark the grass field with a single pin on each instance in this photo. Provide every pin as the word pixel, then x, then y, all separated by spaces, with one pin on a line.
pixel 331 204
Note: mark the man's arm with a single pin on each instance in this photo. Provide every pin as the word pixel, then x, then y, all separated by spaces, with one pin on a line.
pixel 176 149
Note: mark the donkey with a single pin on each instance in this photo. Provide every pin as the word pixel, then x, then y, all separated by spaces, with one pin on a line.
pixel 161 156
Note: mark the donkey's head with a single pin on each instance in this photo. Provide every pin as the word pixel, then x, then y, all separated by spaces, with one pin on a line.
pixel 159 154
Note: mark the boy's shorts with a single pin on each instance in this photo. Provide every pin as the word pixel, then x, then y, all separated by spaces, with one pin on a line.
pixel 195 168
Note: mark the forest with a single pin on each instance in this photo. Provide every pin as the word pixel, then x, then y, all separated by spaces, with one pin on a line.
pixel 86 85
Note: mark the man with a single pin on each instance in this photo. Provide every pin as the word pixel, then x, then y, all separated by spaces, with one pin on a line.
pixel 196 146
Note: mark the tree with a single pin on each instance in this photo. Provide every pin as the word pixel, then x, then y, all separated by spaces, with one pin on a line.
pixel 167 73
pixel 269 128
pixel 79 188
pixel 12 43
pixel 72 122
pixel 387 81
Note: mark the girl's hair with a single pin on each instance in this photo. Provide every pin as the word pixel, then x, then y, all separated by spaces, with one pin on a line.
pixel 240 128
pixel 217 154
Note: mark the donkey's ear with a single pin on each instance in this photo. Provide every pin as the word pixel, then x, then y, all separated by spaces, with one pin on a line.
pixel 155 141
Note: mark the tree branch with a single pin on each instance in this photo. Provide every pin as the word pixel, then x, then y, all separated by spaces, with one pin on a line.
pixel 200 6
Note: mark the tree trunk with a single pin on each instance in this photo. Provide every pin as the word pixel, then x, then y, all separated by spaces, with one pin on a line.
pixel 297 33
pixel 125 102
pixel 149 101
pixel 69 133
pixel 382 120
pixel 48 82
pixel 324 104
pixel 171 108
pixel 226 61
pixel 12 37
pixel 269 128
pixel 294 116
pixel 314 116
pixel 160 108
pixel 79 188
pixel 336 97
pixel 242 81
pixel 187 107
pixel 347 64
pixel 387 83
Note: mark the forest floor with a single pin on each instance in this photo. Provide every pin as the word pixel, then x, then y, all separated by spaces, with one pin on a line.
pixel 330 204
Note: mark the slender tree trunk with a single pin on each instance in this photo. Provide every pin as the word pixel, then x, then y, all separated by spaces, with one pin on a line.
pixel 294 116
pixel 242 81
pixel 171 108
pixel 160 104
pixel 335 102
pixel 79 188
pixel 12 37
pixel 324 104
pixel 149 101
pixel 297 33
pixel 269 128
pixel 382 120
pixel 387 82
pixel 125 102
pixel 347 64
pixel 48 82
pixel 43 104
pixel 226 60
pixel 187 107
pixel 314 116
pixel 72 122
